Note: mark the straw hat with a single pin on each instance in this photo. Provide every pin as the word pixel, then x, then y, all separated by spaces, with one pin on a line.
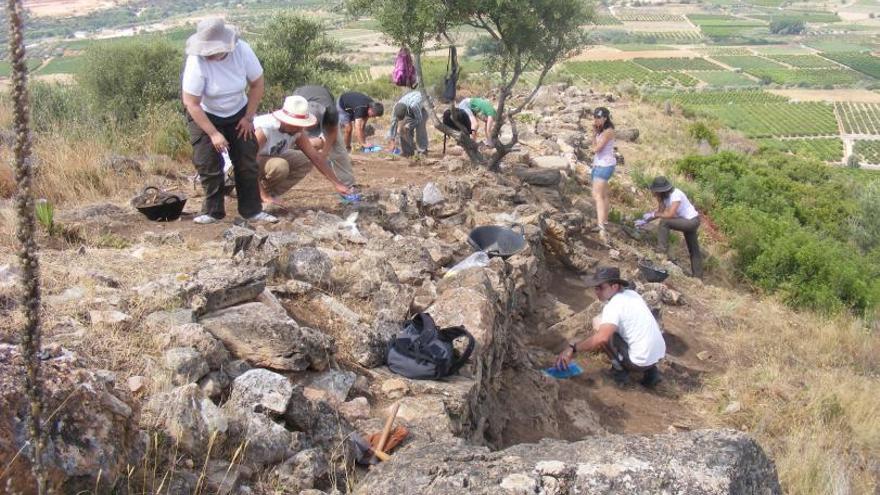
pixel 605 274
pixel 212 36
pixel 295 112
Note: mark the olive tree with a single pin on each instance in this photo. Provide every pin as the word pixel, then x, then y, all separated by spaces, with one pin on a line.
pixel 531 35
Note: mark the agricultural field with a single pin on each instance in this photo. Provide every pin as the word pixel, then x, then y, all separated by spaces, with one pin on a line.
pixel 700 98
pixel 824 149
pixel 782 50
pixel 748 62
pixel 814 16
pixel 677 37
pixel 638 47
pixel 632 16
pixel 805 61
pixel 606 20
pixel 809 77
pixel 859 118
pixel 674 64
pixel 841 44
pixel 776 119
pixel 727 51
pixel 862 62
pixel 62 65
pixel 724 78
pixel 867 151
pixel 722 26
pixel 613 72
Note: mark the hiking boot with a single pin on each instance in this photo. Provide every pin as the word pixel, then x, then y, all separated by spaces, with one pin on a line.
pixel 263 217
pixel 651 377
pixel 205 219
pixel 620 377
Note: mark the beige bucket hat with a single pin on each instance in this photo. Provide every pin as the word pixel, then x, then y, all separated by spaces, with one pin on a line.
pixel 295 112
pixel 212 36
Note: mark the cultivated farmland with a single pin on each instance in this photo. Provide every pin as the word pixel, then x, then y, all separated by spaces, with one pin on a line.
pixel 673 64
pixel 859 118
pixel 824 149
pixel 867 151
pixel 862 62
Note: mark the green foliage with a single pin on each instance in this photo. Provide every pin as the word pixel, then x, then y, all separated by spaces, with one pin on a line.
pixel 700 131
pixel 787 26
pixel 824 149
pixel 482 45
pixel 45 214
pixel 786 218
pixel 123 79
pixel 294 51
pixel 54 104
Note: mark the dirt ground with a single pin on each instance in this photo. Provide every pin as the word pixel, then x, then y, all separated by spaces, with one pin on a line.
pixel 608 53
pixel 843 95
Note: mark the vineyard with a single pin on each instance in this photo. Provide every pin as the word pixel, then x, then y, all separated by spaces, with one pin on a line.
pixel 859 118
pixel 727 51
pixel 720 26
pixel 862 62
pixel 673 64
pixel 698 98
pixel 805 61
pixel 777 119
pixel 867 151
pixel 809 77
pixel 824 149
pixel 646 17
pixel 724 78
pixel 668 36
pixel 748 62
pixel 606 20
pixel 613 72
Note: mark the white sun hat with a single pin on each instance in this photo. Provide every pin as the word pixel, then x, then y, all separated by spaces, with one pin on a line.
pixel 212 36
pixel 295 112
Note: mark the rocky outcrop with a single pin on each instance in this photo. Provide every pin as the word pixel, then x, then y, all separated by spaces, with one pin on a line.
pixel 268 340
pixel 92 433
pixel 699 462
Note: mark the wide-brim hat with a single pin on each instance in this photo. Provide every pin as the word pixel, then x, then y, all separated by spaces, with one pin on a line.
pixel 212 36
pixel 605 274
pixel 661 185
pixel 295 112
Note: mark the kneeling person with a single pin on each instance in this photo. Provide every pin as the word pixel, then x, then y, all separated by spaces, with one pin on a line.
pixel 626 330
pixel 281 166
pixel 408 118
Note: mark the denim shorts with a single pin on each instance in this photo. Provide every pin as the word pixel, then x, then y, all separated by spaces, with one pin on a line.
pixel 602 173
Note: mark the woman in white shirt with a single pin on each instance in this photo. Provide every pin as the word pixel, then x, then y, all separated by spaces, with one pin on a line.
pixel 675 212
pixel 220 117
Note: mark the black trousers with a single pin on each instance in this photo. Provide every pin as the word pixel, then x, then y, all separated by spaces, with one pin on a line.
pixel 618 351
pixel 209 165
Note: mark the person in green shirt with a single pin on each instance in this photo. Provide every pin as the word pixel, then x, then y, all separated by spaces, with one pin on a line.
pixel 482 109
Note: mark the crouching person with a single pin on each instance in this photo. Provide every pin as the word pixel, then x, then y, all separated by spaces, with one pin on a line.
pixel 408 118
pixel 281 165
pixel 626 331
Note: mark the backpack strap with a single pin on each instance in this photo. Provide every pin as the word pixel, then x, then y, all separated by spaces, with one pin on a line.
pixel 426 326
pixel 449 334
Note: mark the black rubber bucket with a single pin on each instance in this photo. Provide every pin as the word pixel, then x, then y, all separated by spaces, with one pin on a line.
pixel 158 205
pixel 651 272
pixel 496 240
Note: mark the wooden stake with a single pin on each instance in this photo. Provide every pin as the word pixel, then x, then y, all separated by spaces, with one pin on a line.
pixel 383 439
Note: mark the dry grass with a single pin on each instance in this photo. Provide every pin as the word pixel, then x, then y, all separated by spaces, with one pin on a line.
pixel 808 390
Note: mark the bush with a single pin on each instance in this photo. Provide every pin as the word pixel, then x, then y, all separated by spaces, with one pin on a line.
pixel 787 26
pixel 482 45
pixel 122 79
pixel 56 105
pixel 786 218
pixel 700 131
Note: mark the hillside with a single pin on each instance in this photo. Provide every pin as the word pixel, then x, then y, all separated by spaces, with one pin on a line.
pixel 124 292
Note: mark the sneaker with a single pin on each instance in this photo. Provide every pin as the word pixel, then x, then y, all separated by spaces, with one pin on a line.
pixel 651 377
pixel 205 219
pixel 263 217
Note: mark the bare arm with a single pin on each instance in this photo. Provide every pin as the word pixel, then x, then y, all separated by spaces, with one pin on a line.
pixel 598 340
pixel 305 145
pixel 193 106
pixel 669 211
pixel 602 139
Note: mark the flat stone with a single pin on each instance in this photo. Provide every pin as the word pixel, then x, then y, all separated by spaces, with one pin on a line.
pixel 136 383
pixel 108 317
pixel 185 364
pixel 355 409
pixel 541 178
pixel 394 388
pixel 335 383
pixel 550 162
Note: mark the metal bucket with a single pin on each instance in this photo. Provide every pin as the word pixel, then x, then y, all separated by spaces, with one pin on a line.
pixel 496 240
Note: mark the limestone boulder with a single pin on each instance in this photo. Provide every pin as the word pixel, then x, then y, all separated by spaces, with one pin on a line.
pixel 541 178
pixel 629 135
pixel 310 265
pixel 188 417
pixel 706 462
pixel 185 365
pixel 195 336
pixel 93 428
pixel 267 339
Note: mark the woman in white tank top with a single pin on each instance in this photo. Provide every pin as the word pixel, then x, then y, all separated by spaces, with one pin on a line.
pixel 604 163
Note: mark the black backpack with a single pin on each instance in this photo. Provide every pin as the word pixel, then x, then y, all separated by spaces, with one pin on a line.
pixel 451 80
pixel 421 351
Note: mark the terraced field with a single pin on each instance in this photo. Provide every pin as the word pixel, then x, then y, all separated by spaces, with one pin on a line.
pixel 668 36
pixel 859 118
pixel 777 119
pixel 613 72
pixel 862 62
pixel 809 77
pixel 698 98
pixel 805 61
pixel 674 64
pixel 868 152
pixel 649 17
pixel 748 62
pixel 824 149
pixel 724 78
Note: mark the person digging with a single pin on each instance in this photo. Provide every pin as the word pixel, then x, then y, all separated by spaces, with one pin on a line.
pixel 626 331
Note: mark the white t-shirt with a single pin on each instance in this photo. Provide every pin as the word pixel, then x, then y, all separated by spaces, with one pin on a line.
pixel 222 83
pixel 685 209
pixel 277 142
pixel 628 312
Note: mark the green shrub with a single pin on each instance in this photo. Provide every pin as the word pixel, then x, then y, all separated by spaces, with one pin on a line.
pixel 122 79
pixel 56 105
pixel 700 131
pixel 786 217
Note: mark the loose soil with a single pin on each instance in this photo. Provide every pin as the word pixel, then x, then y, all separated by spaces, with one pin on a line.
pixel 607 53
pixel 842 95
pixel 66 8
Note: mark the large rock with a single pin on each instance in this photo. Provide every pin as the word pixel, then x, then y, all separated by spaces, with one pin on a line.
pixel 553 162
pixel 185 365
pixel 188 417
pixel 309 265
pixel 543 178
pixel 195 336
pixel 628 135
pixel 302 471
pixel 266 339
pixel 700 462
pixel 212 287
pixel 93 432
